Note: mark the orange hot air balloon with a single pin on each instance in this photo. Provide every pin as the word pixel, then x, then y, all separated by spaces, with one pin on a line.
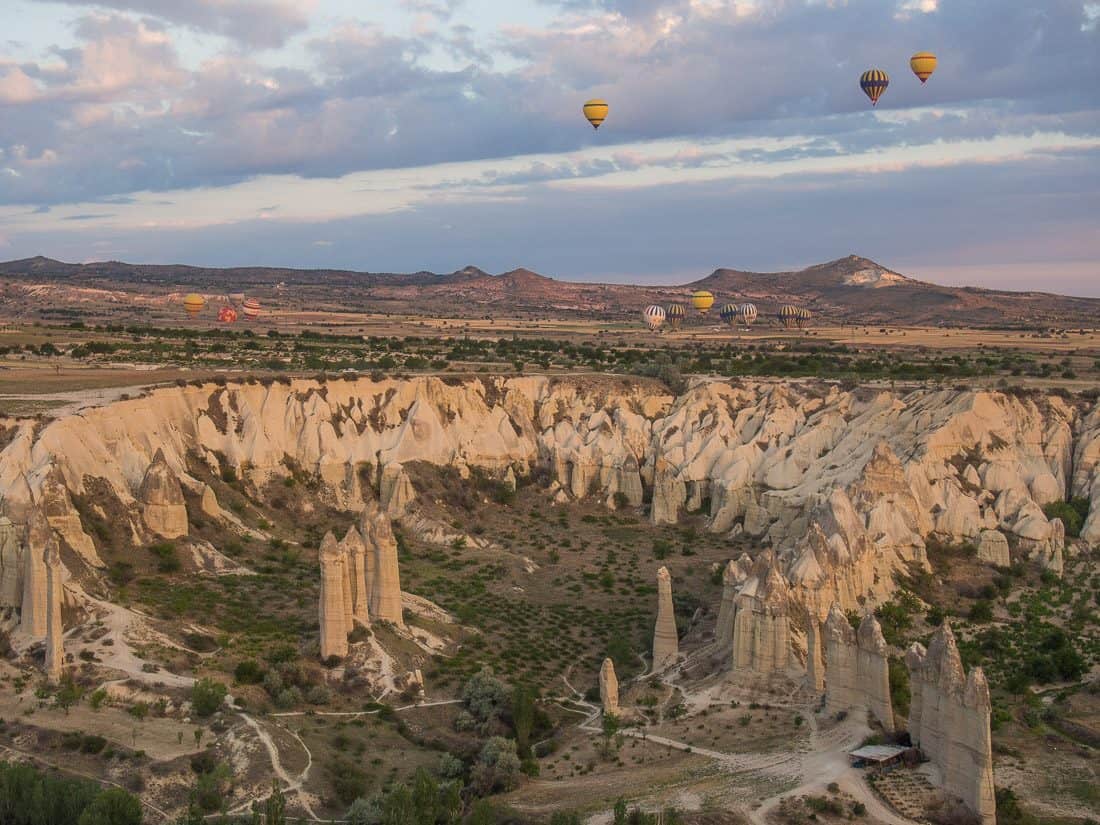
pixel 227 315
pixel 194 303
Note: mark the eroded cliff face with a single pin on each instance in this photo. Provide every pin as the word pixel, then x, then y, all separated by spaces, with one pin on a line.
pixel 845 486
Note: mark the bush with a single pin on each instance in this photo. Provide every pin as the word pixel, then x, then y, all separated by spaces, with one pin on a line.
pixel 248 672
pixel 207 696
pixel 981 612
pixel 112 807
pixel 497 767
pixel 1072 513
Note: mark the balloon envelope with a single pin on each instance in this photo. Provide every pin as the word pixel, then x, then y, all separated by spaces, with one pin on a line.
pixel 923 64
pixel 194 303
pixel 653 316
pixel 874 83
pixel 251 308
pixel 227 315
pixel 702 300
pixel 595 111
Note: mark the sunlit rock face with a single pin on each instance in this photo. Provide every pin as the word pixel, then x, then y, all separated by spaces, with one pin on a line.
pixel 761 625
pixel 949 715
pixel 666 644
pixel 162 505
pixel 609 688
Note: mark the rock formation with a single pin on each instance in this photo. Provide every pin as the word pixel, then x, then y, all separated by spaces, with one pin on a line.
pixel 356 551
pixel 733 577
pixel 761 625
pixel 334 628
pixel 815 664
pixel 55 630
pixel 396 491
pixel 63 517
pixel 385 596
pixel 666 642
pixel 346 574
pixel 12 563
pixel 949 715
pixel 33 607
pixel 857 667
pixel 609 688
pixel 162 505
pixel 993 548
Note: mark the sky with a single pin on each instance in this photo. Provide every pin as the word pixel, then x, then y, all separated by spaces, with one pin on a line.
pixel 405 135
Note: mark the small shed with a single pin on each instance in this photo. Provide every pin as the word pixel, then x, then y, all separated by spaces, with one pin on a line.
pixel 876 756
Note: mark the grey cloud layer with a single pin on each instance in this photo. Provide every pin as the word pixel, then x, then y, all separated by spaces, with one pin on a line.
pixel 121 113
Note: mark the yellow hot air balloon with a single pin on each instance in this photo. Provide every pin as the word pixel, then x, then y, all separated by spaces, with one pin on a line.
pixel 702 300
pixel 874 83
pixel 595 111
pixel 193 304
pixel 923 64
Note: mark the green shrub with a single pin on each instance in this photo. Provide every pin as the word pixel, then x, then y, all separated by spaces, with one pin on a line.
pixel 207 696
pixel 1072 513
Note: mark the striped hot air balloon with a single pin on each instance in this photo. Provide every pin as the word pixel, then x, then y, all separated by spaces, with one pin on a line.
pixel 874 83
pixel 654 316
pixel 227 315
pixel 702 300
pixel 251 308
pixel 923 64
pixel 788 314
pixel 595 112
pixel 194 303
pixel 803 318
pixel 728 314
pixel 675 314
pixel 748 314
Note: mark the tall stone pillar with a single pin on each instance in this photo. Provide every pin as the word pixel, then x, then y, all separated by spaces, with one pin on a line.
pixel 55 631
pixel 32 615
pixel 386 586
pixel 357 554
pixel 334 631
pixel 666 644
pixel 609 688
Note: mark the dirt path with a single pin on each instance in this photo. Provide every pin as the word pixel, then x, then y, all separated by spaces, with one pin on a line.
pixel 293 784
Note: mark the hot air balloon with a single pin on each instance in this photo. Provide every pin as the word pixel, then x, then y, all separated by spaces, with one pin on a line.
pixel 788 314
pixel 654 316
pixel 702 300
pixel 923 64
pixel 874 83
pixel 251 308
pixel 193 304
pixel 728 314
pixel 803 317
pixel 227 315
pixel 236 298
pixel 595 111
pixel 675 314
pixel 748 313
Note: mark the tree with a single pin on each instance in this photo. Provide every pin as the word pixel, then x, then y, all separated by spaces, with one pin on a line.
pixel 275 807
pixel 207 696
pixel 497 768
pixel 523 719
pixel 112 807
pixel 399 808
pixel 610 729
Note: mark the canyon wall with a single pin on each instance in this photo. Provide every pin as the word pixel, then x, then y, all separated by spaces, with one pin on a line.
pixel 857 670
pixel 949 715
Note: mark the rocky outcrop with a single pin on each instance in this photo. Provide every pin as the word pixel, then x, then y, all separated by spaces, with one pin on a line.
pixel 12 563
pixel 355 550
pixel 857 667
pixel 815 664
pixel 162 505
pixel 33 606
pixel 385 596
pixel 761 625
pixel 609 688
pixel 993 548
pixel 62 515
pixel 949 716
pixel 55 631
pixel 396 491
pixel 333 618
pixel 208 502
pixel 733 576
pixel 666 641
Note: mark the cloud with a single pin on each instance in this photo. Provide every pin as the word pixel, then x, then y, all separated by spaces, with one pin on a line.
pixel 259 23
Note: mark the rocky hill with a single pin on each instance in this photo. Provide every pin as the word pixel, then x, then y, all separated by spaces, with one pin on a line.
pixel 851 289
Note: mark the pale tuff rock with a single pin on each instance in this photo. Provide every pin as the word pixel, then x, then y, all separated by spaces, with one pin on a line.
pixel 625 479
pixel 757 520
pixel 346 586
pixel 63 517
pixel 733 577
pixel 761 626
pixel 815 665
pixel 356 551
pixel 1086 473
pixel 162 504
pixel 386 580
pixel 33 609
pixel 669 494
pixel 55 631
pixel 209 503
pixel 509 480
pixel 609 688
pixel 334 630
pixel 949 720
pixel 873 668
pixel 666 643
pixel 857 669
pixel 993 548
pixel 12 563
pixel 396 491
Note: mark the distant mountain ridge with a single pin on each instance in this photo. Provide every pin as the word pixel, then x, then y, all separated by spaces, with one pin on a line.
pixel 851 289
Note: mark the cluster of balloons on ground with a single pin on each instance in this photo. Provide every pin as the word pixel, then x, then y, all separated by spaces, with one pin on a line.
pixel 873 82
pixel 228 313
pixel 655 316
